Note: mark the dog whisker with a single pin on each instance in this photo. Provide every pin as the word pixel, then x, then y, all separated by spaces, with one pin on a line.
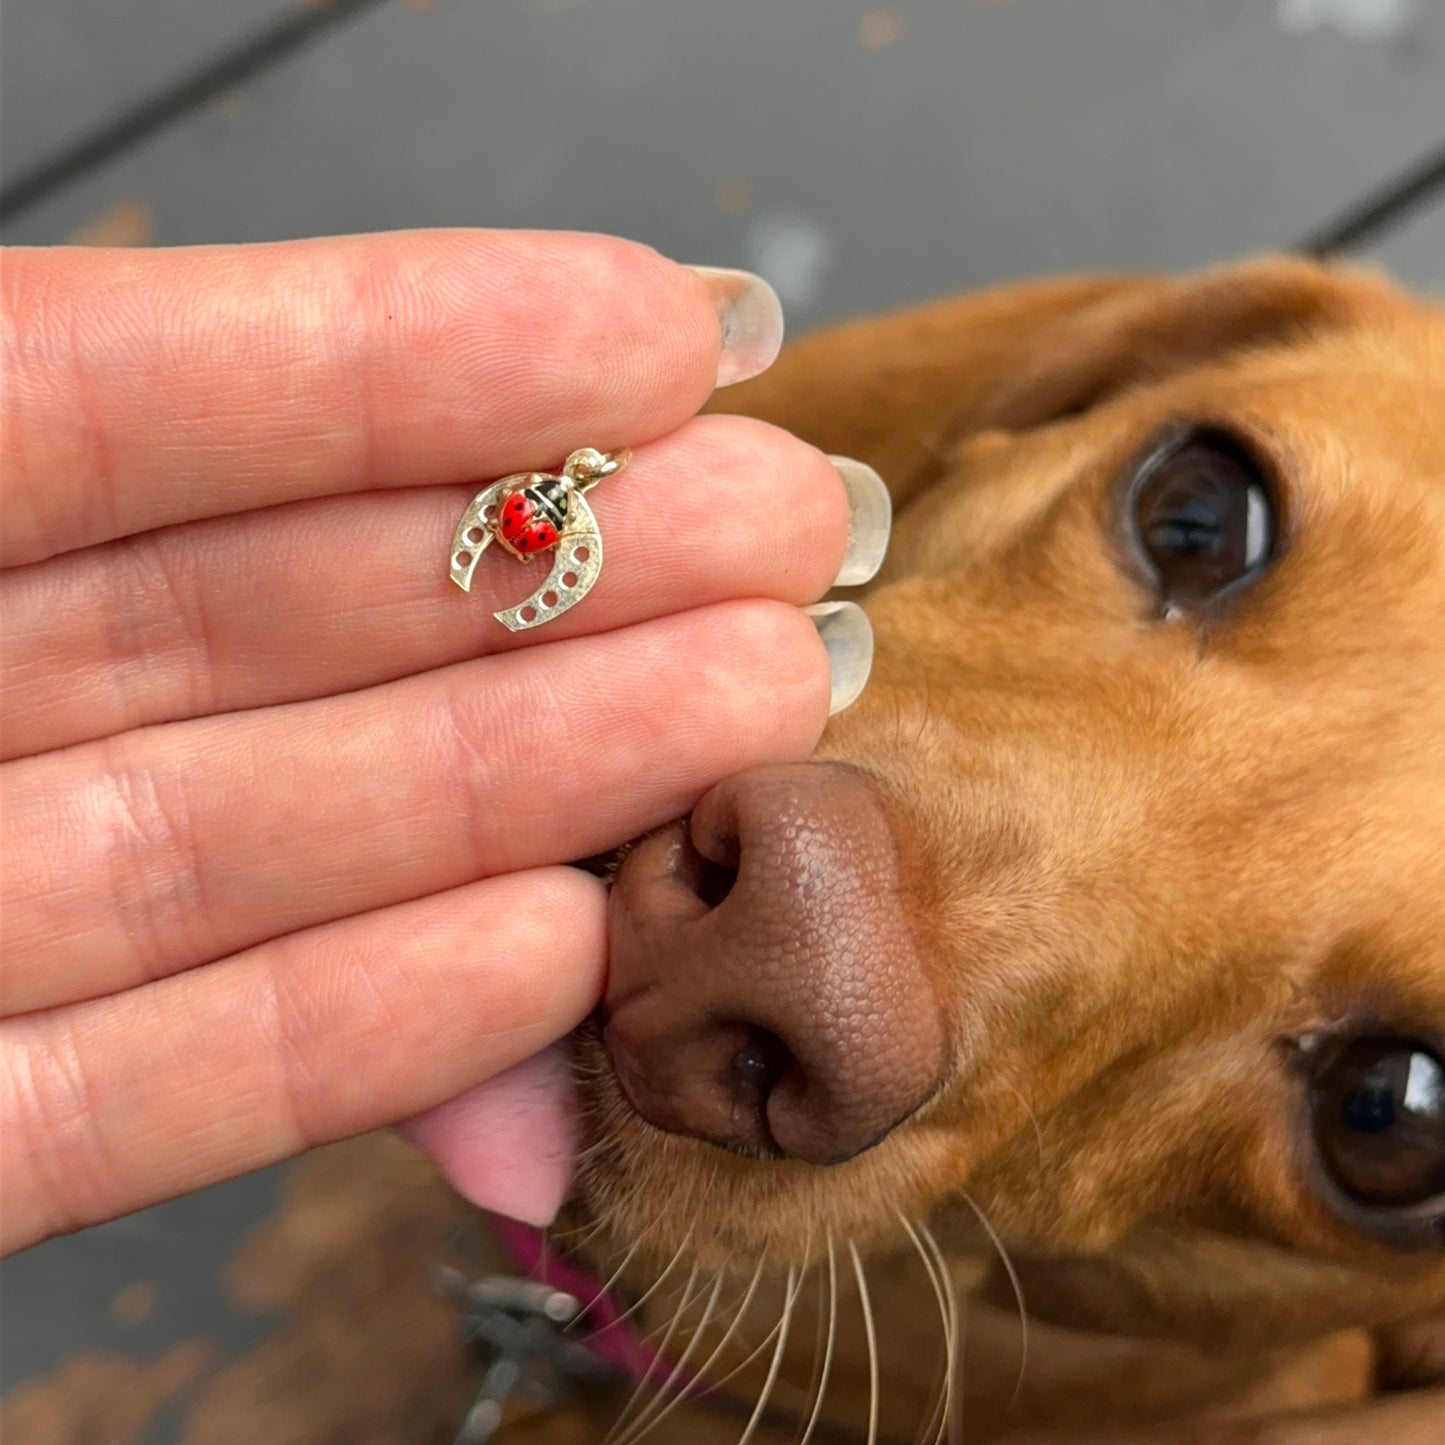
pixel 926 712
pixel 660 1407
pixel 740 1311
pixel 568 1241
pixel 1033 1119
pixel 573 1240
pixel 785 1321
pixel 934 1426
pixel 819 1330
pixel 752 1354
pixel 647 1294
pixel 871 1333
pixel 1018 1290
pixel 593 1150
pixel 822 1386
pixel 621 1428
pixel 584 1233
pixel 639 1237
pixel 605 1288
pixel 928 1431
pixel 954 1421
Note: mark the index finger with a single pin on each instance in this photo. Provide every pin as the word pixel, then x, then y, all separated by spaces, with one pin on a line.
pixel 149 387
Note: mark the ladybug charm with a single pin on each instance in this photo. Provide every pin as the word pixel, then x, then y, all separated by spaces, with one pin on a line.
pixel 536 512
pixel 532 519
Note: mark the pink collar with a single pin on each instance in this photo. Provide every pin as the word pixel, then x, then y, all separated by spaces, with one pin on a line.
pixel 616 1338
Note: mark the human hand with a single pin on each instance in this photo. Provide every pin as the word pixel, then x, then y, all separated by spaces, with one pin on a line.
pixel 284 809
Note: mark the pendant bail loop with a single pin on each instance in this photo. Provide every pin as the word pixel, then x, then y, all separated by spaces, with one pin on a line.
pixel 587 465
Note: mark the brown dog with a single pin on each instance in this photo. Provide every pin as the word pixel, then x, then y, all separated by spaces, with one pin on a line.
pixel 1109 926
pixel 1106 935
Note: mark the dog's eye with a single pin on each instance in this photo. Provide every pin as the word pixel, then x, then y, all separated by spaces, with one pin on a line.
pixel 1379 1121
pixel 1203 516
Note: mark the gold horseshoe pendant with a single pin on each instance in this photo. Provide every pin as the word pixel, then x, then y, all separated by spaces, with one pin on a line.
pixel 529 514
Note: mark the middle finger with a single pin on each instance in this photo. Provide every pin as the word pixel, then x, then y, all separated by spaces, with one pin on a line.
pixel 322 597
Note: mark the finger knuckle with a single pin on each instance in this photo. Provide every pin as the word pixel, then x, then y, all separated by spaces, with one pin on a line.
pixel 164 643
pixel 156 861
pixel 51 1131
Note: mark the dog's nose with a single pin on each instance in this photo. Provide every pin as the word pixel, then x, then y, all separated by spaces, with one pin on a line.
pixel 765 992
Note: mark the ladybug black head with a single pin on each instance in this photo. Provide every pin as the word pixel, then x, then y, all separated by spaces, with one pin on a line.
pixel 553 500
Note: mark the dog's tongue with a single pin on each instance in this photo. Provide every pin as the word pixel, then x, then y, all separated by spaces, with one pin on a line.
pixel 508 1145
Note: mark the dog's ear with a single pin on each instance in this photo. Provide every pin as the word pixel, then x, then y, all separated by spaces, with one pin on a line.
pixel 898 390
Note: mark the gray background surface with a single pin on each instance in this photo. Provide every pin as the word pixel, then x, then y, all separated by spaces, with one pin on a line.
pixel 861 155
pixel 857 154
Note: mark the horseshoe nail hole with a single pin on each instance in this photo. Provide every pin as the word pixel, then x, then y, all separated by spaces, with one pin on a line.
pixel 488 512
pixel 580 554
pixel 569 579
pixel 473 536
pixel 529 614
pixel 549 599
pixel 462 559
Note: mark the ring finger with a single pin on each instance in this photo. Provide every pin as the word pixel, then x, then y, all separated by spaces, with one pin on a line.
pixel 143 855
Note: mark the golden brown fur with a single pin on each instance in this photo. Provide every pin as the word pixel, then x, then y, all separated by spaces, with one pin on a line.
pixel 1146 855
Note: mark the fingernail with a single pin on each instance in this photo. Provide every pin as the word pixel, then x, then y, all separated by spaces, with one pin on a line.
pixel 870 519
pixel 848 636
pixel 751 317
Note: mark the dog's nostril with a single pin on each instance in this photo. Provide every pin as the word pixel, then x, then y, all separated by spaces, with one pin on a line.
pixel 761 1062
pixel 757 1067
pixel 714 856
pixel 716 840
pixel 714 883
pixel 709 878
